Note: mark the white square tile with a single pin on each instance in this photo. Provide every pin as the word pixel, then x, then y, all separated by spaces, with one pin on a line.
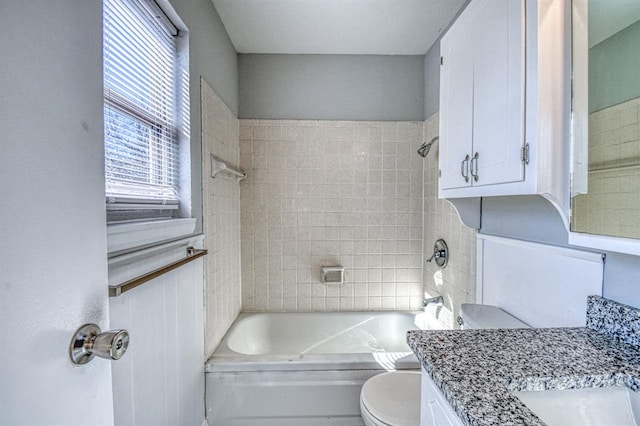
pixel 372 158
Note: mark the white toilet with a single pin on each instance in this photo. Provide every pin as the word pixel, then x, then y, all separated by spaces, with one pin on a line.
pixel 393 399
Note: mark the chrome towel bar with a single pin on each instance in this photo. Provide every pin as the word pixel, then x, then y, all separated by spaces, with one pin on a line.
pixel 192 254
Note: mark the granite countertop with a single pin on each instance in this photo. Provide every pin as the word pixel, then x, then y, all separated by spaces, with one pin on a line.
pixel 477 370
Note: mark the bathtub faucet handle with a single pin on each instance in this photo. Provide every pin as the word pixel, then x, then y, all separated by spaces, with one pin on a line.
pixel 440 253
pixel 437 255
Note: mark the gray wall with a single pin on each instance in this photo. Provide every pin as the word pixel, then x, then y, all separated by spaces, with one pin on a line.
pixel 432 81
pixel 212 56
pixel 331 87
pixel 527 217
pixel 613 69
pixel 432 71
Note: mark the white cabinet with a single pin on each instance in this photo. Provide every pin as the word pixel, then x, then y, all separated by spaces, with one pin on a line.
pixel 434 408
pixel 503 110
pixel 456 106
pixel 482 96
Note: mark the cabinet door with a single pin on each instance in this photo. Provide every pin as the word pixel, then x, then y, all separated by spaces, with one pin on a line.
pixel 498 91
pixel 434 408
pixel 456 105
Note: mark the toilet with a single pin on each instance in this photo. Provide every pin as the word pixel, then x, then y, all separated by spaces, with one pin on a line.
pixel 393 398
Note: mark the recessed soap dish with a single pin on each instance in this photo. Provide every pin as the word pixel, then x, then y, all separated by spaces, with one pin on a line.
pixel 332 274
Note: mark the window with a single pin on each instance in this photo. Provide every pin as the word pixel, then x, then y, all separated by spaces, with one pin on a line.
pixel 143 100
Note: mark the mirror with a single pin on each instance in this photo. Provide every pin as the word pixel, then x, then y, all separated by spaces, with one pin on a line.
pixel 606 117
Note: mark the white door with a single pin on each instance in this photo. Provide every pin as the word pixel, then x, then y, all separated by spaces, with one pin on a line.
pixel 53 274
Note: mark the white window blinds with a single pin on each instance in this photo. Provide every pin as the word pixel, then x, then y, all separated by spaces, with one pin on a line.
pixel 141 150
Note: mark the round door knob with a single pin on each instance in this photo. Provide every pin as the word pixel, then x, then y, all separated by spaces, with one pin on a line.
pixel 89 342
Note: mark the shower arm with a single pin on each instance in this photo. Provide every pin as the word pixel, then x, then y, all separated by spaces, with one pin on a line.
pixel 426 146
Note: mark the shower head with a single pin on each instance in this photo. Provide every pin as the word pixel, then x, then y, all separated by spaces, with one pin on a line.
pixel 425 147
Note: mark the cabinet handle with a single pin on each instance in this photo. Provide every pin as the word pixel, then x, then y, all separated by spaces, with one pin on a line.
pixel 464 168
pixel 474 161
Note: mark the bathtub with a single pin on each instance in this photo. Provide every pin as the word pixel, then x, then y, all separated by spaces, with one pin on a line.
pixel 304 368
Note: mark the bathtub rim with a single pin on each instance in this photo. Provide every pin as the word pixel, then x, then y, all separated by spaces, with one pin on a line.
pixel 225 359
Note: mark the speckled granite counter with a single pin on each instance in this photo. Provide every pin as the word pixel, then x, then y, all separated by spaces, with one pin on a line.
pixel 477 369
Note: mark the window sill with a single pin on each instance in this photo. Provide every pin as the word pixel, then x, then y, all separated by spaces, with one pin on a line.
pixel 128 236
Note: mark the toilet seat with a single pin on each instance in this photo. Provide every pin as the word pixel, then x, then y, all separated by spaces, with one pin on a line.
pixel 391 399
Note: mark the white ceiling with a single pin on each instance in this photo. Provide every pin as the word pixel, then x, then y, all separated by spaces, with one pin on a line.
pixel 356 27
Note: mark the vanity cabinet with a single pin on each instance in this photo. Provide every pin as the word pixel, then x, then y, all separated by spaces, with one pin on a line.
pixel 503 114
pixel 434 408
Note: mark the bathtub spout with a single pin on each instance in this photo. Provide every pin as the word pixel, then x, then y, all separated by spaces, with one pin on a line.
pixel 438 300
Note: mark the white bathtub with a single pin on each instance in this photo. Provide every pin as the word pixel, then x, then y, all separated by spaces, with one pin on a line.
pixel 304 368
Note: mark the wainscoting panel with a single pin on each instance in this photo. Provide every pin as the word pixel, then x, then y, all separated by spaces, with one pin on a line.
pixel 160 380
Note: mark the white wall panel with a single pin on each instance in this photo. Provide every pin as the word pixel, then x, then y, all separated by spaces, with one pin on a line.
pixel 160 380
pixel 542 285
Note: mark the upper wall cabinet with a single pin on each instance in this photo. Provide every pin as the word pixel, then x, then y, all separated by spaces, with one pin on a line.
pixel 503 110
pixel 482 96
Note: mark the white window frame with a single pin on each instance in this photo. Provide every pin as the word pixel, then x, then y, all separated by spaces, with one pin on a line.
pixel 138 231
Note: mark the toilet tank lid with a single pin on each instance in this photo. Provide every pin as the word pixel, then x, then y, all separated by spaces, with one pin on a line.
pixel 477 316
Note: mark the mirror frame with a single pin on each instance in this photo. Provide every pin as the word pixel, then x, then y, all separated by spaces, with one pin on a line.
pixel 580 133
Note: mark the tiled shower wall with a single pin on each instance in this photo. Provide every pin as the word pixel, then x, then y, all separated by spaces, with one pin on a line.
pixel 331 193
pixel 221 198
pixel 456 282
pixel 610 207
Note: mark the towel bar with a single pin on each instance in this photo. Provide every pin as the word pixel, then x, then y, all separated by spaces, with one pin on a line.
pixel 192 254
